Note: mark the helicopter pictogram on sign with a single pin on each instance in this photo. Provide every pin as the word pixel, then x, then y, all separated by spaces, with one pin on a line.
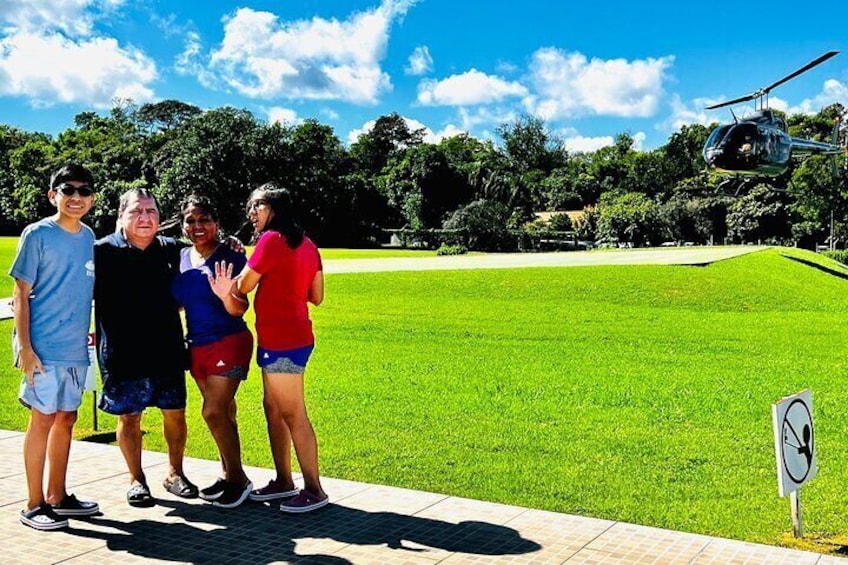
pixel 795 444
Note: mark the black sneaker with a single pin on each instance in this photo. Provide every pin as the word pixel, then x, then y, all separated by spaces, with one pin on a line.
pixel 43 518
pixel 233 495
pixel 70 506
pixel 213 491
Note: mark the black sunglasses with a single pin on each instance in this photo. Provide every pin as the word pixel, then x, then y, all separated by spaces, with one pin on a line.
pixel 254 205
pixel 69 190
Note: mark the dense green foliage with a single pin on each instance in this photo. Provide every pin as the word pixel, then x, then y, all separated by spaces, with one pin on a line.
pixel 390 179
pixel 632 393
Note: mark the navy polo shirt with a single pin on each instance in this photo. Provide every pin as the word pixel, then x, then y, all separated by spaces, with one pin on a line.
pixel 139 331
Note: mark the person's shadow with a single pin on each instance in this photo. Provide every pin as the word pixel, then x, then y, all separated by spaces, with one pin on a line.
pixel 254 533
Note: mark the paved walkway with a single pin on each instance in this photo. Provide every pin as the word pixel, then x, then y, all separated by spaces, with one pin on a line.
pixel 668 256
pixel 368 524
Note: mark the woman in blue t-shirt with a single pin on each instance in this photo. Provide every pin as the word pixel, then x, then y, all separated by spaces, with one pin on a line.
pixel 219 341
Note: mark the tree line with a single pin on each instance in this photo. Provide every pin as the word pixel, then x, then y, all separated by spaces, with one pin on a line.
pixel 482 194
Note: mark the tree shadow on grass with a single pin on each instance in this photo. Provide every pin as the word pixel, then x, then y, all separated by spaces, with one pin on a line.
pixel 254 533
pixel 822 268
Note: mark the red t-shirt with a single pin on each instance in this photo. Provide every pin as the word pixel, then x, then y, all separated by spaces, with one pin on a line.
pixel 282 317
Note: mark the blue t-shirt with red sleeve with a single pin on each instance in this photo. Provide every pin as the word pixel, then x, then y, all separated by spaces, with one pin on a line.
pixel 206 317
pixel 282 315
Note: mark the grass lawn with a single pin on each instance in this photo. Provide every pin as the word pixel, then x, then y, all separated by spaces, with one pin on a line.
pixel 635 393
pixel 8 245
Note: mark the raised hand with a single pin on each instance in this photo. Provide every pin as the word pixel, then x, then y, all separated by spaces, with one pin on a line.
pixel 222 283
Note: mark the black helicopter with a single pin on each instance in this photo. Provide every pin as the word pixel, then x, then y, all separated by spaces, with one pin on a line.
pixel 758 148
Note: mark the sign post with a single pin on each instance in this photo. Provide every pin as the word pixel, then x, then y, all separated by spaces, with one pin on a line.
pixel 795 450
pixel 90 377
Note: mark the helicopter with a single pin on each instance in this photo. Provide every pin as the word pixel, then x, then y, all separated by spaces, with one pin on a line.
pixel 758 148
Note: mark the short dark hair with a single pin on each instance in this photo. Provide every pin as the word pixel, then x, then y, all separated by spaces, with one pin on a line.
pixel 198 201
pixel 139 193
pixel 71 172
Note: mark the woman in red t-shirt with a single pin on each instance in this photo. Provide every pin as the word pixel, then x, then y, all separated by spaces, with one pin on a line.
pixel 286 266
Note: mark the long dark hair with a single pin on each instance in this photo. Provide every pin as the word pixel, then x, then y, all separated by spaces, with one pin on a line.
pixel 280 201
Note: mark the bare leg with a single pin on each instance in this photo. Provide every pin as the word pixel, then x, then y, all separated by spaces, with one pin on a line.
pixel 129 440
pixel 174 428
pixel 285 392
pixel 35 454
pixel 58 451
pixel 218 402
pixel 278 435
pixel 201 386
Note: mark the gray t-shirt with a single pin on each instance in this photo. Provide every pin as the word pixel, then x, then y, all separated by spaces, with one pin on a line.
pixel 60 267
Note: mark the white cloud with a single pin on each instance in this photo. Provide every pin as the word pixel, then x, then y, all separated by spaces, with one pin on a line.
pixel 506 68
pixel 420 62
pixel 449 130
pixel 429 136
pixel 74 17
pixel 262 57
pixel 467 89
pixel 51 68
pixel 581 144
pixel 282 115
pixel 330 113
pixel 189 61
pixel 353 135
pixel 470 119
pixel 683 114
pixel 568 85
pixel 577 143
pixel 832 91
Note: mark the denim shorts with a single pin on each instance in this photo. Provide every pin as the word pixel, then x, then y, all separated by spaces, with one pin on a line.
pixel 133 396
pixel 58 388
pixel 292 361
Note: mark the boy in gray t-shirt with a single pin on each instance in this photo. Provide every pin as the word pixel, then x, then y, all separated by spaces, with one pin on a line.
pixel 54 283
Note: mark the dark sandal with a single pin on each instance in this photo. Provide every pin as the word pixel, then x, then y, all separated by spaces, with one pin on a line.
pixel 180 486
pixel 139 495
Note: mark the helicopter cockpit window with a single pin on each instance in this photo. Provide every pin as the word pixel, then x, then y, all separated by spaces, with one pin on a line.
pixel 718 134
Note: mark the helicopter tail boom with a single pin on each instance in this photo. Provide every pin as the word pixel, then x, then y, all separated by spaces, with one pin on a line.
pixel 805 147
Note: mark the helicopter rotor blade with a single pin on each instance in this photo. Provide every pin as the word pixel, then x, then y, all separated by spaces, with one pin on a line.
pixel 731 102
pixel 803 69
pixel 762 92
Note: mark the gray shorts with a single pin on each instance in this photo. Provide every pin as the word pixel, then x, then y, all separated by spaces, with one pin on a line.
pixel 58 388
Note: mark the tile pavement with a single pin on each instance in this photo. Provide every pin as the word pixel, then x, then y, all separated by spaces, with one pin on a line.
pixel 366 524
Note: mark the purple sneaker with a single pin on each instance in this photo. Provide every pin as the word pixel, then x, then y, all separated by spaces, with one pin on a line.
pixel 305 501
pixel 272 491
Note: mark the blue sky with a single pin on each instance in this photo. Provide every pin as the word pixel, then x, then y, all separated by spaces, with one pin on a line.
pixel 591 70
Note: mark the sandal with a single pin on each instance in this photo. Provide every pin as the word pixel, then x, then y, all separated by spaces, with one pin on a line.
pixel 139 495
pixel 43 518
pixel 180 486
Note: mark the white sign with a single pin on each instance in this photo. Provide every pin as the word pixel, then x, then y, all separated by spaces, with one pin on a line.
pixel 90 376
pixel 794 441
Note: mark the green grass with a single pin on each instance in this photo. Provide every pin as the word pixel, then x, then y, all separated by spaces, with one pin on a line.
pixel 639 393
pixel 8 245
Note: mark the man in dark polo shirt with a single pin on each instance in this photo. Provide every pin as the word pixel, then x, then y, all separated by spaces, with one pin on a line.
pixel 140 338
